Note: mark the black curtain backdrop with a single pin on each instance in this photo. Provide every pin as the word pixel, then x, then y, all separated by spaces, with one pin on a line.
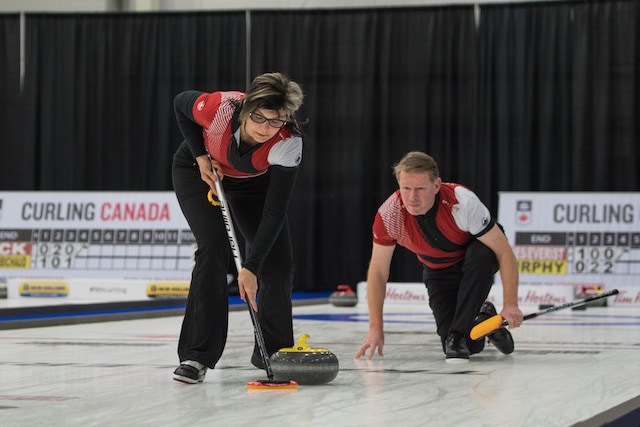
pixel 99 92
pixel 12 146
pixel 558 97
pixel 507 97
pixel 379 83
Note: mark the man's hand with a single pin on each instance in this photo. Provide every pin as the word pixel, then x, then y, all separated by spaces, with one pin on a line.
pixel 372 341
pixel 513 315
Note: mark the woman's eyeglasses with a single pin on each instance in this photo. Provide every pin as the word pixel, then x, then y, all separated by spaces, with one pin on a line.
pixel 274 123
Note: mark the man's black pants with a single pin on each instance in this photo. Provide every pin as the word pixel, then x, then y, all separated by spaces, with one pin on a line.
pixel 456 293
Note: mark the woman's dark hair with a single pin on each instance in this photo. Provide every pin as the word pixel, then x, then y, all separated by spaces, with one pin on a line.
pixel 276 92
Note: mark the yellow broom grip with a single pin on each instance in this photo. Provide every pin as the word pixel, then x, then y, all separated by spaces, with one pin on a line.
pixel 484 328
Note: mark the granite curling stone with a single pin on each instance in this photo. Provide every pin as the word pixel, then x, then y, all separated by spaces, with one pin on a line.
pixel 305 365
pixel 343 297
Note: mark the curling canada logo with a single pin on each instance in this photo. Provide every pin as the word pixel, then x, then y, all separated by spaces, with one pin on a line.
pixel 523 212
pixel 107 211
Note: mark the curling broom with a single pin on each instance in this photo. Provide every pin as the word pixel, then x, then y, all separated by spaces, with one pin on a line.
pixel 270 383
pixel 493 323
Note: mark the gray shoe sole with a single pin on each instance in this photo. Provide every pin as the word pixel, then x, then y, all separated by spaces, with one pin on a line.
pixel 456 360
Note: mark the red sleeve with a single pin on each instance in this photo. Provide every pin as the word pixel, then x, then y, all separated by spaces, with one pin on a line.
pixel 205 107
pixel 380 233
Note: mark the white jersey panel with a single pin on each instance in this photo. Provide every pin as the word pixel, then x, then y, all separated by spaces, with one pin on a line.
pixel 470 213
pixel 286 153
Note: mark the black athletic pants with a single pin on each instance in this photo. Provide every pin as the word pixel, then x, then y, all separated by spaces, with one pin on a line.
pixel 456 293
pixel 204 328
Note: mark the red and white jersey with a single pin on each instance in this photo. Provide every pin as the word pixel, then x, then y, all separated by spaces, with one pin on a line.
pixel 214 112
pixel 440 237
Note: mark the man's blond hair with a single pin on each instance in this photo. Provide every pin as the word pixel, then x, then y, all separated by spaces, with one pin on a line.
pixel 417 162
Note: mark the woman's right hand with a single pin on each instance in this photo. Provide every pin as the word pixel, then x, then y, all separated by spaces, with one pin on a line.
pixel 206 165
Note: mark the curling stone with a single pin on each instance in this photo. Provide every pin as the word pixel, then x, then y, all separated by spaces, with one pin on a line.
pixel 344 297
pixel 303 364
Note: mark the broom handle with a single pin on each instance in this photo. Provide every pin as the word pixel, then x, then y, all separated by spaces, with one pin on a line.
pixel 496 322
pixel 237 257
pixel 575 303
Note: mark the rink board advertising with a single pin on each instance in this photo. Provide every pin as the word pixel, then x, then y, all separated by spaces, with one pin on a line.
pixel 103 245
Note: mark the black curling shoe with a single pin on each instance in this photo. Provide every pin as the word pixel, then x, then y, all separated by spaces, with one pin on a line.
pixel 501 338
pixel 190 372
pixel 456 349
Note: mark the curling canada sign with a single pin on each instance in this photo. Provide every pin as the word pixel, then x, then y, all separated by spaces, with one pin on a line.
pixel 92 244
pixel 89 211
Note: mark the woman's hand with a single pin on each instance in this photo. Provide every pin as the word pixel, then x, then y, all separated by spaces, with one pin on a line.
pixel 206 165
pixel 248 287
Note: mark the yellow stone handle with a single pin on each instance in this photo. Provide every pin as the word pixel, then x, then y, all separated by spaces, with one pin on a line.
pixel 302 347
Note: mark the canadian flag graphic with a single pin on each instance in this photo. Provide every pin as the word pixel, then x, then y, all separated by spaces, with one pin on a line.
pixel 523 212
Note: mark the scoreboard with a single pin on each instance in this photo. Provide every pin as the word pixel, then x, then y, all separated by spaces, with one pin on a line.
pixel 94 244
pixel 578 253
pixel 143 252
pixel 582 241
